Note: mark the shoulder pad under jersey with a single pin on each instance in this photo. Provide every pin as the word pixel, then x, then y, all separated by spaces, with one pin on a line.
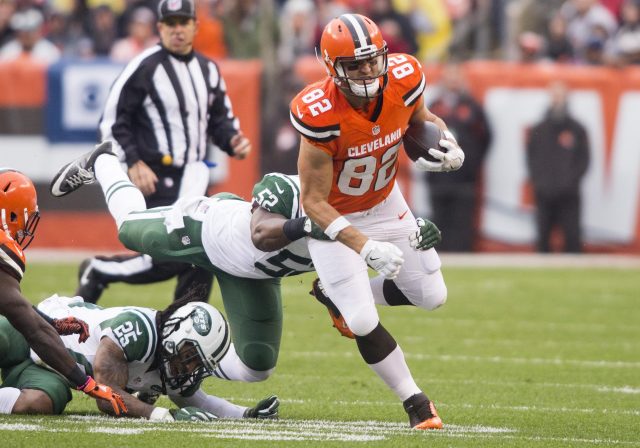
pixel 406 78
pixel 12 258
pixel 312 112
pixel 135 332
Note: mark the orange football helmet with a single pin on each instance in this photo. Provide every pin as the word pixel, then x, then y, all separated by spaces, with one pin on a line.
pixel 19 213
pixel 355 55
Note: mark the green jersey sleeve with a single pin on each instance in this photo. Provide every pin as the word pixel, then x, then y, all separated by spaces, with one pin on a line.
pixel 134 332
pixel 279 193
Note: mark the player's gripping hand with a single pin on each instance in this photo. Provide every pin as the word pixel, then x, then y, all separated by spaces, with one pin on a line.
pixel 72 325
pixel 102 392
pixel 192 414
pixel 384 257
pixel 450 160
pixel 265 409
pixel 427 235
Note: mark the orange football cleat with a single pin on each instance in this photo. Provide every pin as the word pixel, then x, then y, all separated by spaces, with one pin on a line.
pixel 422 412
pixel 339 323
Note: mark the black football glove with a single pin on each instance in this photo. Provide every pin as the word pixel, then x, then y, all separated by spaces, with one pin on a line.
pixel 265 409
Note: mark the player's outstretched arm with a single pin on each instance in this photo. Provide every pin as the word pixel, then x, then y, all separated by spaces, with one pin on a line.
pixel 267 230
pixel 266 408
pixel 110 367
pixel 39 334
pixel 272 231
pixel 68 325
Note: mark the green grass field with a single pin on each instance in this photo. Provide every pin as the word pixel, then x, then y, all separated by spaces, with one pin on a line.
pixel 517 357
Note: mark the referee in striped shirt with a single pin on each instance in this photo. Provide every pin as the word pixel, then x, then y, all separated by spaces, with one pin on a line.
pixel 160 114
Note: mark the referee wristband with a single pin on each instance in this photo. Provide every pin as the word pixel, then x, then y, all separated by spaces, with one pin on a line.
pixel 293 229
pixel 336 226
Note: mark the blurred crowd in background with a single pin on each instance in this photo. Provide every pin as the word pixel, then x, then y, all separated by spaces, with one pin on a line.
pixel 592 32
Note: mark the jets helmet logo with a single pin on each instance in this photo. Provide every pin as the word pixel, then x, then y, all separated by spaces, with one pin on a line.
pixel 201 321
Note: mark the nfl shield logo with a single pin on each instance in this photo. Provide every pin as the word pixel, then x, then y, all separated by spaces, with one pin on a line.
pixel 174 5
pixel 375 130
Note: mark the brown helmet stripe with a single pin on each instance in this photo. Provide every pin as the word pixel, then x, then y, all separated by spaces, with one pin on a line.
pixel 357 29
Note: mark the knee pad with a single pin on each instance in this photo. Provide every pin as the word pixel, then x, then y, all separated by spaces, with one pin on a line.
pixel 434 291
pixel 429 293
pixel 364 321
pixel 258 356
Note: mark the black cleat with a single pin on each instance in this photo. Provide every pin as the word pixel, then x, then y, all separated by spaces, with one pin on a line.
pixel 90 287
pixel 319 293
pixel 79 172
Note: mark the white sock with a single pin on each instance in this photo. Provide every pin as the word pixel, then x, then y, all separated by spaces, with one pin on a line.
pixel 8 398
pixel 232 368
pixel 122 196
pixel 393 370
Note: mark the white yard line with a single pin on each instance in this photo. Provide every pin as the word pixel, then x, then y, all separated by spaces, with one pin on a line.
pixel 486 359
pixel 291 430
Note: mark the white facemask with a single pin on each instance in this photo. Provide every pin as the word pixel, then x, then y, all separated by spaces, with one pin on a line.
pixel 363 90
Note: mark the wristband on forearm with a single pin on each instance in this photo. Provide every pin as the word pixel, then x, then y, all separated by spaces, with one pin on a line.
pixel 336 226
pixel 293 229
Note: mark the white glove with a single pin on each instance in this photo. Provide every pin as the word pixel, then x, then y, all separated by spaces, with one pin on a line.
pixel 448 161
pixel 161 415
pixel 384 257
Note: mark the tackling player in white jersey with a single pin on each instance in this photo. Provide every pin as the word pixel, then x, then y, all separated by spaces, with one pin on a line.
pixel 136 350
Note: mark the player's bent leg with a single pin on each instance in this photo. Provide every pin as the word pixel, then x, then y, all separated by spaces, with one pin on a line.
pixel 14 348
pixel 146 232
pixel 232 368
pixel 427 292
pixel 254 312
pixel 32 401
pixel 419 283
pixel 49 392
pixel 344 276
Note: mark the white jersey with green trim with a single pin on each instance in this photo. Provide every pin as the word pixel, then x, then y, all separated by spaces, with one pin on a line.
pixel 226 232
pixel 131 328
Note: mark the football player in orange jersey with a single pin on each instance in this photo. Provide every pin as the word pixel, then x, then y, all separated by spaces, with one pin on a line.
pixel 352 124
pixel 19 217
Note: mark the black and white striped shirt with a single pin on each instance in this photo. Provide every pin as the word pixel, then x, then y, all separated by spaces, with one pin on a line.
pixel 168 105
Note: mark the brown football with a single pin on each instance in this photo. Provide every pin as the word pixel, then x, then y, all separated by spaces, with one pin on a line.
pixel 419 138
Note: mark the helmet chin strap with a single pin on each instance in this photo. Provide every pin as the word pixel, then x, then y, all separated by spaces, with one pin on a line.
pixel 364 90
